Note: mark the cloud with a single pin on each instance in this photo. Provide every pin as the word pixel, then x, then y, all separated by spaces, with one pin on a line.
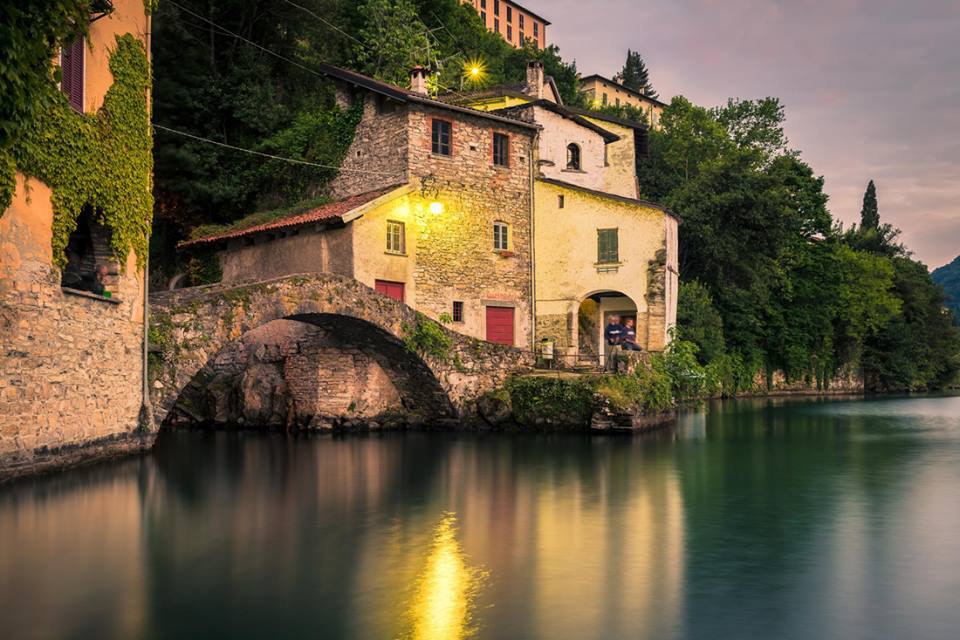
pixel 872 88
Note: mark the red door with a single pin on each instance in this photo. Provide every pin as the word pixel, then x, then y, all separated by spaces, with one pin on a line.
pixel 500 325
pixel 390 289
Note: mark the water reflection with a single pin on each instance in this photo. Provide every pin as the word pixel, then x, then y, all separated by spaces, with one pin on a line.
pixel 446 591
pixel 756 519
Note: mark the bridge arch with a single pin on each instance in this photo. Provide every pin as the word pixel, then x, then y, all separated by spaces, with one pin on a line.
pixel 194 330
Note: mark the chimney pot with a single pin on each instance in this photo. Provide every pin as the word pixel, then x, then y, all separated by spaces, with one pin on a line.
pixel 418 80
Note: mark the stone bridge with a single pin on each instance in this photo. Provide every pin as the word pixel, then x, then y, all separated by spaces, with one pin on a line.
pixel 438 374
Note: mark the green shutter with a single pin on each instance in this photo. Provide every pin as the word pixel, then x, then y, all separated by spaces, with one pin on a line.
pixel 608 249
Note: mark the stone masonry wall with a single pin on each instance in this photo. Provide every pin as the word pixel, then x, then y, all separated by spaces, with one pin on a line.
pixel 70 364
pixel 455 256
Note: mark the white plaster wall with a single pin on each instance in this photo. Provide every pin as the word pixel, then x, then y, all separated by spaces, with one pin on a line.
pixel 558 132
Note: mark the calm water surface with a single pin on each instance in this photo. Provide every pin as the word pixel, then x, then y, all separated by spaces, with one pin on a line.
pixel 768 519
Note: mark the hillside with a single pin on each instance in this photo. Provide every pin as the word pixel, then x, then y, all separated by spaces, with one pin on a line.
pixel 948 277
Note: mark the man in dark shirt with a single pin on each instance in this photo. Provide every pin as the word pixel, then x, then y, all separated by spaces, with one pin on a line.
pixel 614 336
pixel 630 335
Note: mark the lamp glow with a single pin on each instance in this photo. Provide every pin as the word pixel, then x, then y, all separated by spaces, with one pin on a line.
pixel 436 208
pixel 474 72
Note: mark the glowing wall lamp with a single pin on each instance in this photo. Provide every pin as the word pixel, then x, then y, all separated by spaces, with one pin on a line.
pixel 436 208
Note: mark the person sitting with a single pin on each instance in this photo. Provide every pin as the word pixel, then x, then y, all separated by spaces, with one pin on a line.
pixel 96 282
pixel 613 334
pixel 630 335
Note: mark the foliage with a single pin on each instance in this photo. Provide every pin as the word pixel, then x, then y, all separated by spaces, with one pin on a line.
pixel 102 161
pixel 635 75
pixel 30 35
pixel 783 285
pixel 204 267
pixel 393 40
pixel 427 338
pixel 870 212
pixel 537 399
pixel 948 277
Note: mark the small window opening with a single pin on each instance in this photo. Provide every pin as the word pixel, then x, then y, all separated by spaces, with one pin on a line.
pixel 561 201
pixel 396 237
pixel 90 262
pixel 501 150
pixel 457 311
pixel 501 236
pixel 441 138
pixel 573 157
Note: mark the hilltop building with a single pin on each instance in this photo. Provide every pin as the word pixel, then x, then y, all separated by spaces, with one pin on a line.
pixel 515 23
pixel 72 252
pixel 432 207
pixel 604 91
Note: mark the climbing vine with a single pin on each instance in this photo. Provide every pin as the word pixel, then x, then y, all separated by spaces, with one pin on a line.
pixel 427 338
pixel 102 161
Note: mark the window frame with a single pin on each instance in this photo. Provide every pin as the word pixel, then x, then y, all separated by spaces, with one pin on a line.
pixel 401 237
pixel 457 312
pixel 501 154
pixel 436 137
pixel 607 254
pixel 501 233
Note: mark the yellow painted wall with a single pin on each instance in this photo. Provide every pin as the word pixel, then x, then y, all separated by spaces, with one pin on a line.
pixel 128 17
pixel 595 89
pixel 620 174
pixel 566 250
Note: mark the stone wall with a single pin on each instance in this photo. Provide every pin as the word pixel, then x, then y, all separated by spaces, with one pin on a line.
pixel 70 363
pixel 455 257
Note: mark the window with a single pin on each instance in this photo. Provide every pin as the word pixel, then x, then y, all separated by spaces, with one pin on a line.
pixel 396 237
pixel 521 21
pixel 509 32
pixel 457 311
pixel 523 37
pixel 483 4
pixel 509 14
pixel 496 7
pixel 71 72
pixel 90 264
pixel 573 157
pixel 618 102
pixel 483 16
pixel 496 25
pixel 501 236
pixel 608 249
pixel 604 98
pixel 561 201
pixel 536 29
pixel 501 149
pixel 441 138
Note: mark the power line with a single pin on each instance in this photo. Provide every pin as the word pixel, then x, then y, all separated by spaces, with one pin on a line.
pixel 267 155
pixel 323 20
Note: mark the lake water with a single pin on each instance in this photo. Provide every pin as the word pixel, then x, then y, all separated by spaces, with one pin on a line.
pixel 754 519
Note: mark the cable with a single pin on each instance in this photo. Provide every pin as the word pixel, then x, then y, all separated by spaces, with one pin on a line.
pixel 267 155
pixel 323 20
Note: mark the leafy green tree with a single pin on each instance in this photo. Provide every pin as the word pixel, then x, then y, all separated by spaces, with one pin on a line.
pixel 699 322
pixel 30 35
pixel 393 40
pixel 948 277
pixel 636 76
pixel 755 124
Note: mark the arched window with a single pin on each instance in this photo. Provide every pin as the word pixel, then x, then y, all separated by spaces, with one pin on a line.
pixel 90 263
pixel 573 157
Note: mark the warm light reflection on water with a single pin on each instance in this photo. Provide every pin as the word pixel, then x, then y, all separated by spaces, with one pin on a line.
pixel 781 519
pixel 447 589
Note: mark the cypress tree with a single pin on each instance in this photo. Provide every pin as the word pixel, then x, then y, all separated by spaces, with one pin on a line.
pixel 636 76
pixel 870 213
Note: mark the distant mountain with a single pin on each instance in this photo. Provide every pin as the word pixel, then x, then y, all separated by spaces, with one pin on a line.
pixel 948 277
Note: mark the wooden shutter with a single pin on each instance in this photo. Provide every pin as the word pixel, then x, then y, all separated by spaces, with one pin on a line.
pixel 608 249
pixel 393 290
pixel 71 67
pixel 500 325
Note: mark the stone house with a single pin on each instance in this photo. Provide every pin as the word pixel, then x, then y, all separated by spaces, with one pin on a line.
pixel 598 249
pixel 432 206
pixel 72 344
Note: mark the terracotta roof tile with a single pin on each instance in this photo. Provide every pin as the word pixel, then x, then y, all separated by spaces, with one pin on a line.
pixel 332 212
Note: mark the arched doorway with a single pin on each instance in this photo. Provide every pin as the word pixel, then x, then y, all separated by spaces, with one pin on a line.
pixel 593 314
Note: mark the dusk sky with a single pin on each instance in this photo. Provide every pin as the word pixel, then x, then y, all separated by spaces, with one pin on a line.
pixel 871 88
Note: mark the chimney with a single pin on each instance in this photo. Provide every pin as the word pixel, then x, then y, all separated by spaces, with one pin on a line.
pixel 418 80
pixel 534 87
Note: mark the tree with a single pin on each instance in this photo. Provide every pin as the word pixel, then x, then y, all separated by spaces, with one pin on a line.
pixel 870 213
pixel 393 38
pixel 635 76
pixel 30 35
pixel 699 322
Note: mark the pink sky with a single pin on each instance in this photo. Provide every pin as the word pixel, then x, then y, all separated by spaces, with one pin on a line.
pixel 871 88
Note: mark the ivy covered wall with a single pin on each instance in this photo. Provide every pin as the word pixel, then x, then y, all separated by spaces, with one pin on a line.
pixel 102 160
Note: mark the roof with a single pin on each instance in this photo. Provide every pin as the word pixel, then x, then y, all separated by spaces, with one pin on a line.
pixel 564 112
pixel 515 90
pixel 329 213
pixel 609 196
pixel 597 115
pixel 400 94
pixel 597 76
pixel 532 14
